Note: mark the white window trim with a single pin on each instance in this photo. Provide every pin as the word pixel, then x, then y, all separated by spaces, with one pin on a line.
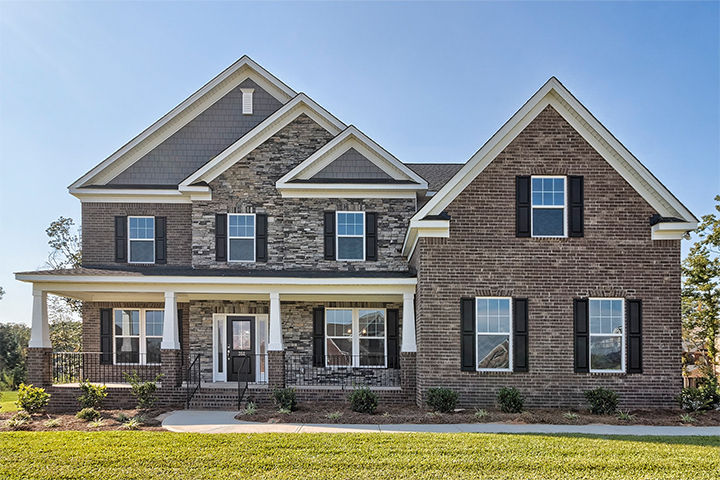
pixel 355 337
pixel 510 334
pixel 129 255
pixel 338 236
pixel 590 335
pixel 254 237
pixel 142 337
pixel 564 207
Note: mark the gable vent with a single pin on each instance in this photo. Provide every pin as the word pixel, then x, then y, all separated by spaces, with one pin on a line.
pixel 247 100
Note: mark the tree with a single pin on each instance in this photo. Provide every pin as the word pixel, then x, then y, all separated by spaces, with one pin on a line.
pixel 65 328
pixel 14 339
pixel 65 251
pixel 2 292
pixel 701 289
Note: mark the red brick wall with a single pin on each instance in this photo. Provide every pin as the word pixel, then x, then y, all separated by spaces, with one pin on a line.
pixel 483 257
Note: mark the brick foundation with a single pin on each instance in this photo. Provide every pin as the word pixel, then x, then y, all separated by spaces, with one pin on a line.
pixel 408 374
pixel 171 368
pixel 39 366
pixel 276 369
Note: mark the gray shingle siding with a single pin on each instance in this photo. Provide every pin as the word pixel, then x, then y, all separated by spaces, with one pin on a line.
pixel 351 164
pixel 203 138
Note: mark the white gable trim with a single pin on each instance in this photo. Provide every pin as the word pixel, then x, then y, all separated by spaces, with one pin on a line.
pixel 301 104
pixel 181 115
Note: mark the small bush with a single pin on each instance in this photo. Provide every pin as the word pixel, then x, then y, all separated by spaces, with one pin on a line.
pixel 250 409
pixel 442 399
pixel 571 416
pixel 481 413
pixel 88 414
pixel 52 423
pixel 687 418
pixel 132 424
pixel 97 423
pixel 32 399
pixel 144 392
pixel 363 400
pixel 92 395
pixel 602 401
pixel 284 411
pixel 19 421
pixel 285 398
pixel 510 400
pixel 625 416
pixel 334 415
pixel 705 397
pixel 122 417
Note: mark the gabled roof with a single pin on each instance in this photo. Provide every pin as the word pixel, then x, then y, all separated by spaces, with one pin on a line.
pixel 231 77
pixel 436 174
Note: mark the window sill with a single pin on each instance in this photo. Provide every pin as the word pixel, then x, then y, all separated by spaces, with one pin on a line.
pixel 492 373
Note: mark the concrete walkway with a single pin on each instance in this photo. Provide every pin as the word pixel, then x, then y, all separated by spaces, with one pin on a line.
pixel 213 421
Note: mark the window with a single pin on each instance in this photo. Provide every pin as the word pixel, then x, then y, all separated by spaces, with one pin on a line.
pixel 494 338
pixel 607 335
pixel 138 334
pixel 355 337
pixel 141 239
pixel 241 237
pixel 350 235
pixel 548 207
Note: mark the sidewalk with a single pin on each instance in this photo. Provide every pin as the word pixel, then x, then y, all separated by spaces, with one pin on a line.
pixel 205 421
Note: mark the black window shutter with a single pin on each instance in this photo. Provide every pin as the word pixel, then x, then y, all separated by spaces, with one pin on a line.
pixel 522 206
pixel 576 214
pixel 634 336
pixel 121 239
pixel 319 337
pixel 221 237
pixel 393 345
pixel 520 335
pixel 160 240
pixel 467 334
pixel 106 336
pixel 371 243
pixel 329 235
pixel 261 237
pixel 582 335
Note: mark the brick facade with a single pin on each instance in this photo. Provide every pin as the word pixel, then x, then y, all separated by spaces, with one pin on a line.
pixel 616 257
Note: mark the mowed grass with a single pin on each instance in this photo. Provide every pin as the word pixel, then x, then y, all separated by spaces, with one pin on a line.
pixel 165 455
pixel 7 401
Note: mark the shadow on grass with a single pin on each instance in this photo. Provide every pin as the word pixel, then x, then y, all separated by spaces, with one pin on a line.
pixel 700 441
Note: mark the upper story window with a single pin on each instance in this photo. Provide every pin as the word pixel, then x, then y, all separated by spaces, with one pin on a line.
pixel 141 239
pixel 494 335
pixel 356 337
pixel 607 335
pixel 350 235
pixel 138 334
pixel 548 198
pixel 241 237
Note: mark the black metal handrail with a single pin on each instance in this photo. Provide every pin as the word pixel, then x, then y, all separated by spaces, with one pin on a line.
pixel 344 371
pixel 242 384
pixel 193 378
pixel 97 367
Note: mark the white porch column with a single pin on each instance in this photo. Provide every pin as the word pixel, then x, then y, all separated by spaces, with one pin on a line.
pixel 275 341
pixel 408 323
pixel 40 329
pixel 170 325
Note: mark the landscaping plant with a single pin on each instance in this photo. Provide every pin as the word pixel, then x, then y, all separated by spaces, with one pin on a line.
pixel 250 409
pixel 92 395
pixel 144 392
pixel 18 421
pixel 88 414
pixel 510 400
pixel 132 424
pixel 602 401
pixel 481 413
pixel 52 423
pixel 32 399
pixel 285 399
pixel 704 397
pixel 363 400
pixel 442 399
pixel 625 416
pixel 335 415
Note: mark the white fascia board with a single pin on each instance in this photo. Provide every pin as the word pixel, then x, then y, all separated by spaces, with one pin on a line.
pixel 672 230
pixel 323 190
pixel 102 195
pixel 190 108
pixel 424 228
pixel 266 129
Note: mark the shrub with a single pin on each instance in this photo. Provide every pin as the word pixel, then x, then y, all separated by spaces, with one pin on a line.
pixel 571 416
pixel 334 415
pixel 122 417
pixel 97 423
pixel 510 400
pixel 250 409
pixel 602 401
pixel 625 416
pixel 144 392
pixel 285 399
pixel 687 418
pixel 52 423
pixel 481 413
pixel 92 395
pixel 88 414
pixel 132 424
pixel 705 397
pixel 19 421
pixel 32 399
pixel 284 411
pixel 363 400
pixel 442 399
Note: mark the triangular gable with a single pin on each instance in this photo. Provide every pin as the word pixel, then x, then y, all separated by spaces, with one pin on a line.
pixel 245 68
pixel 351 165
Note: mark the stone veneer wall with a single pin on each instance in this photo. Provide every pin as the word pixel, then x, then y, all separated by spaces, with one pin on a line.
pixel 616 257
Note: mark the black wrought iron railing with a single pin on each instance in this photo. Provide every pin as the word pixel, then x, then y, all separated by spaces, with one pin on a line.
pixel 344 371
pixel 245 368
pixel 193 379
pixel 96 367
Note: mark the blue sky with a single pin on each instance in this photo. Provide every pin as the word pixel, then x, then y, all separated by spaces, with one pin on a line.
pixel 431 82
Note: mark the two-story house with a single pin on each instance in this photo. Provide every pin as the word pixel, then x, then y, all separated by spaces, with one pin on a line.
pixel 251 239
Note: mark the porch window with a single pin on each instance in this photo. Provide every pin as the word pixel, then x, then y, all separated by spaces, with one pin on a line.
pixel 548 207
pixel 350 235
pixel 494 337
pixel 355 337
pixel 138 333
pixel 241 237
pixel 607 335
pixel 141 239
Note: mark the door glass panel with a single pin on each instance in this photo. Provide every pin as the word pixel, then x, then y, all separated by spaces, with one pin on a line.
pixel 220 348
pixel 262 348
pixel 241 335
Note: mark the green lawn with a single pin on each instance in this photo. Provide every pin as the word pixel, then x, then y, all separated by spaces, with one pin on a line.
pixel 7 401
pixel 164 455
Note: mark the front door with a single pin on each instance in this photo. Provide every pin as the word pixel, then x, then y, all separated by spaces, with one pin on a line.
pixel 240 348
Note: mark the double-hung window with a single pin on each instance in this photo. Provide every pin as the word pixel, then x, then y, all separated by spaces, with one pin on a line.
pixel 356 337
pixel 350 235
pixel 548 196
pixel 494 335
pixel 607 335
pixel 138 333
pixel 241 237
pixel 141 240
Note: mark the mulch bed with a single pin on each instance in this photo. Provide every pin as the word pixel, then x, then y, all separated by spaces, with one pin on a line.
pixel 68 421
pixel 412 414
